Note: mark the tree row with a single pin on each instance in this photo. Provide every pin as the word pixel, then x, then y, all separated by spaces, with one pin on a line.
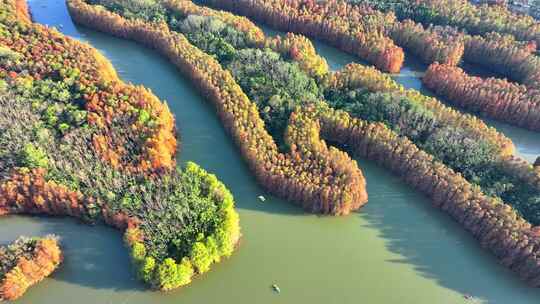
pixel 506 56
pixel 496 98
pixel 475 19
pixel 321 181
pixel 361 31
pixel 496 226
pixel 461 142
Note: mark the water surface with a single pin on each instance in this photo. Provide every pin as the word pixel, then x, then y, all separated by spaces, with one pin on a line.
pixel 397 249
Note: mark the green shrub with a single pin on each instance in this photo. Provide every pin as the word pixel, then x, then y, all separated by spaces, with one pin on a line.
pixel 200 257
pixel 144 116
pixel 213 249
pixel 63 127
pixel 32 157
pixel 138 252
pixel 146 269
pixel 167 275
pixel 185 271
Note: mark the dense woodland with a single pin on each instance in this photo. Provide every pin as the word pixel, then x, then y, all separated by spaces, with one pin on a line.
pixel 320 177
pixel 475 19
pixel 77 141
pixel 435 128
pixel 491 37
pixel 278 108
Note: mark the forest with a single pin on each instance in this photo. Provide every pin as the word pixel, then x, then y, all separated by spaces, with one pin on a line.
pixel 491 37
pixel 77 141
pixel 279 108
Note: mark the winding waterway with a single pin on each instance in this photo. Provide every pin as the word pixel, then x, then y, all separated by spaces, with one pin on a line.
pixel 397 249
pixel 527 142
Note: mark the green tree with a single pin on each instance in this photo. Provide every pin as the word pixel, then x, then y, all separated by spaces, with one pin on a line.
pixel 200 257
pixel 33 156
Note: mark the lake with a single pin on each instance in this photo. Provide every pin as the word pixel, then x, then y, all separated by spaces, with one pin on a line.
pixel 397 249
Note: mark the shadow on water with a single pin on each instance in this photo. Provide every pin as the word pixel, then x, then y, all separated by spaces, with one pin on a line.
pixel 401 216
pixel 90 252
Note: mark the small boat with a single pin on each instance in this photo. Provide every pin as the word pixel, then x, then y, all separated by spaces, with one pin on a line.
pixel 467 296
pixel 276 288
pixel 261 198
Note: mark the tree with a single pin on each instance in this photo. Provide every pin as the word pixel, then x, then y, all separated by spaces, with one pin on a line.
pixel 33 157
pixel 535 9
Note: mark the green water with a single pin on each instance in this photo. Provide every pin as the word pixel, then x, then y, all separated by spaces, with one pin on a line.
pixel 398 249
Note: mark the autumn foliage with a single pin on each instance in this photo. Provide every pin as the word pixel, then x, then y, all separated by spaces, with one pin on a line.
pixel 31 193
pixel 301 50
pixel 442 44
pixel 506 56
pixel 361 31
pixel 43 257
pixel 320 177
pixel 358 76
pixel 55 54
pixel 77 141
pixel 317 177
pixel 184 8
pixel 21 9
pixel 297 47
pixel 496 98
pixel 521 168
pixel 475 19
pixel 495 225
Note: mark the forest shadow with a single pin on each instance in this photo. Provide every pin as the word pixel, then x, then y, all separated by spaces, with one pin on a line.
pixel 94 255
pixel 437 247
pixel 424 237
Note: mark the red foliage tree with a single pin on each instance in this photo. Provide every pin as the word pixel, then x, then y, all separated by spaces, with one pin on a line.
pixel 496 98
pixel 359 30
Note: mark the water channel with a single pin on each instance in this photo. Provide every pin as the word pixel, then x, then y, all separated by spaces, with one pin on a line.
pixel 397 249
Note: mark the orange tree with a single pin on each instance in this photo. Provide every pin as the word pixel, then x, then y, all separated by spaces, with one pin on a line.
pixel 442 44
pixel 25 262
pixel 496 98
pixel 506 56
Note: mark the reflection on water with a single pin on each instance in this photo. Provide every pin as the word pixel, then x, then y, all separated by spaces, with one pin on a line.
pixel 398 249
